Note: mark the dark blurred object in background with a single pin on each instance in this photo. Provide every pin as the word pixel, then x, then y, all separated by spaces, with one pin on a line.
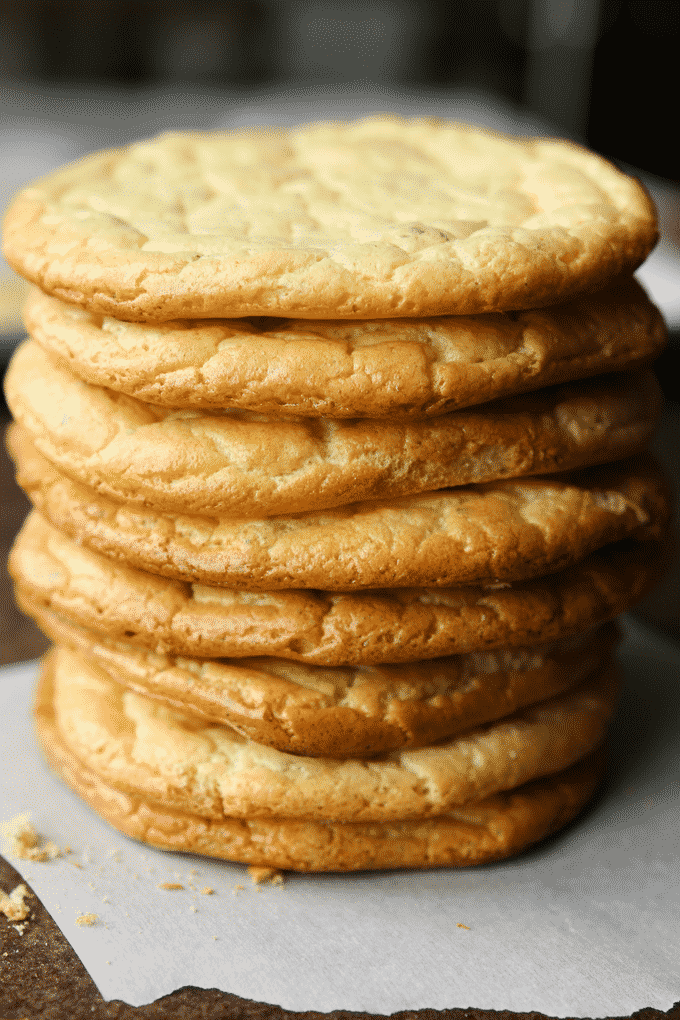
pixel 600 70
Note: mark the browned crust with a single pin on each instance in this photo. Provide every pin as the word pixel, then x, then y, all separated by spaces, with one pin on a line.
pixel 353 712
pixel 342 369
pixel 324 628
pixel 501 531
pixel 487 831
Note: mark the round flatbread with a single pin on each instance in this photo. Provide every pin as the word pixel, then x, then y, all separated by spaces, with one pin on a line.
pixel 476 833
pixel 142 747
pixel 336 712
pixel 339 369
pixel 239 464
pixel 323 628
pixel 500 531
pixel 380 217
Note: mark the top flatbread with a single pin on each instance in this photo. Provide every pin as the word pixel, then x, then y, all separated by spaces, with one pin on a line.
pixel 352 369
pixel 377 218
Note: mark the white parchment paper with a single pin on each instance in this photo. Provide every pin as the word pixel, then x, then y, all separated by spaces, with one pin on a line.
pixel 584 925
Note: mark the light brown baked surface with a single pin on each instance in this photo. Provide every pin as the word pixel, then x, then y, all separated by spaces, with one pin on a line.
pixel 142 747
pixel 381 217
pixel 507 531
pixel 352 369
pixel 319 627
pixel 336 712
pixel 240 464
pixel 488 830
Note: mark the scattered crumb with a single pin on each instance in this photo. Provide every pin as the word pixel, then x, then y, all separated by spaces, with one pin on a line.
pixel 87 920
pixel 91 886
pixel 135 876
pixel 77 864
pixel 214 939
pixel 170 885
pixel 265 876
pixel 14 906
pixel 207 891
pixel 109 962
pixel 22 841
pixel 105 899
pixel 459 925
pixel 21 928
pixel 237 889
pixel 193 909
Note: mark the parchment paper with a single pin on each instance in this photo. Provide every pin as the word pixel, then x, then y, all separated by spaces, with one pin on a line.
pixel 584 925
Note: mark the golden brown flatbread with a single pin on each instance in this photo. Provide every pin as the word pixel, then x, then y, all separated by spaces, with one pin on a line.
pixel 496 532
pixel 339 369
pixel 239 464
pixel 141 747
pixel 322 627
pixel 342 712
pixel 477 833
pixel 318 627
pixel 377 218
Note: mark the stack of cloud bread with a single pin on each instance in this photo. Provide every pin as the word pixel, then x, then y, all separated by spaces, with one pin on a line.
pixel 335 442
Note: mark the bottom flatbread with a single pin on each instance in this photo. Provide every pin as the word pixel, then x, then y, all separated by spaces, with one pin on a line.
pixel 489 830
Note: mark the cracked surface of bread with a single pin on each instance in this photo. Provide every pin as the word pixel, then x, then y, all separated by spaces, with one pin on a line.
pixel 343 712
pixel 352 369
pixel 240 464
pixel 499 531
pixel 375 218
pixel 144 748
pixel 320 627
pixel 474 834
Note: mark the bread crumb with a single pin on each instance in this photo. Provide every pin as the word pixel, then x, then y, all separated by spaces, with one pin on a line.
pixel 193 909
pixel 14 906
pixel 207 891
pixel 105 899
pixel 21 840
pixel 459 925
pixel 87 920
pixel 170 885
pixel 265 876
pixel 21 928
pixel 237 889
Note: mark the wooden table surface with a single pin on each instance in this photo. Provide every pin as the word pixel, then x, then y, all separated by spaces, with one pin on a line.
pixel 41 976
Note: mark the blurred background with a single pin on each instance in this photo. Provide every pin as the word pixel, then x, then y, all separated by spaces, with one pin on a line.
pixel 80 74
pixel 77 75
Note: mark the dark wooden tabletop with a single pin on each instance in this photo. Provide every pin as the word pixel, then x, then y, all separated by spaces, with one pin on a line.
pixel 40 974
